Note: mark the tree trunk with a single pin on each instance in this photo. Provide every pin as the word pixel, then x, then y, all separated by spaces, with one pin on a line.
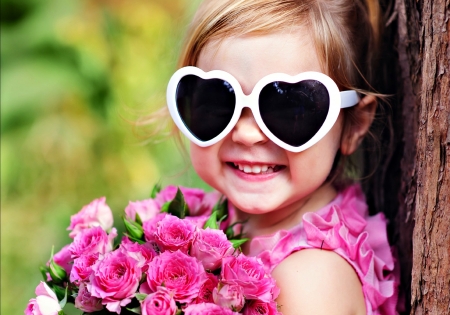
pixel 412 182
pixel 424 53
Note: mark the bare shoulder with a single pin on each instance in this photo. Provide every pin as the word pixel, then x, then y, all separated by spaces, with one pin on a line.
pixel 314 281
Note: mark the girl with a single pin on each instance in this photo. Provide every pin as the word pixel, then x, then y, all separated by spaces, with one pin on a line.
pixel 271 93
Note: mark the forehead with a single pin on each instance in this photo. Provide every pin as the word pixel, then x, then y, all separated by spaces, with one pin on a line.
pixel 250 57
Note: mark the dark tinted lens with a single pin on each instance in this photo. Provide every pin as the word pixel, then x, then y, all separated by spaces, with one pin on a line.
pixel 205 106
pixel 294 112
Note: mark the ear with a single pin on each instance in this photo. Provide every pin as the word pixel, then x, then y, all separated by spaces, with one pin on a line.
pixel 357 126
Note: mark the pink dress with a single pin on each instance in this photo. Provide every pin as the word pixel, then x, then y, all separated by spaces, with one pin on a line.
pixel 344 227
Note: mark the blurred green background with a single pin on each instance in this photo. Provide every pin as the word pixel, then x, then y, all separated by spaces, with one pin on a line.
pixel 74 75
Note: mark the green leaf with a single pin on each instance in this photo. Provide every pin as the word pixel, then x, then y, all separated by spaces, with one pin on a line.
pixel 229 232
pixel 57 272
pixel 59 291
pixel 221 207
pixel 134 229
pixel 140 296
pixel 221 219
pixel 43 270
pixel 63 302
pixel 61 312
pixel 143 278
pixel 138 219
pixel 156 189
pixel 136 240
pixel 238 243
pixel 178 206
pixel 212 222
pixel 52 252
pixel 136 310
pixel 165 207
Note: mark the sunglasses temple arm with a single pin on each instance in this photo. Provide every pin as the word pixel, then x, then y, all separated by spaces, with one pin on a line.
pixel 349 98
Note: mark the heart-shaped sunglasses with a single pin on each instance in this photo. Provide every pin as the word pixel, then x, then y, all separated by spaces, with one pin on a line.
pixel 294 112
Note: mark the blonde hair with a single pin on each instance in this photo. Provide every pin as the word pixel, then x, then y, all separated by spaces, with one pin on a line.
pixel 345 32
pixel 346 35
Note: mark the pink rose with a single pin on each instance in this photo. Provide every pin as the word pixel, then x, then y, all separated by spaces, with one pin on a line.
pixel 249 273
pixel 82 267
pixel 210 199
pixel 232 217
pixel 207 309
pixel 150 226
pixel 92 241
pixel 174 234
pixel 144 253
pixel 198 201
pixel 32 308
pixel 86 302
pixel 210 246
pixel 230 296
pixel 159 303
pixel 115 279
pixel 198 221
pixel 146 209
pixel 206 290
pixel 97 213
pixel 64 259
pixel 257 307
pixel 181 274
pixel 45 303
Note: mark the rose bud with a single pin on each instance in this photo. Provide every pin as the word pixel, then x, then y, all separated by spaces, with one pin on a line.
pixel 57 273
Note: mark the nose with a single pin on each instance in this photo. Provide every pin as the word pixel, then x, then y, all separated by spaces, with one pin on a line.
pixel 246 130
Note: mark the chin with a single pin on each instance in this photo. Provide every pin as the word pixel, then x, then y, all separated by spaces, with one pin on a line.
pixel 253 206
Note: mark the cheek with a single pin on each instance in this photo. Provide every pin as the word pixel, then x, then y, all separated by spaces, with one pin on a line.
pixel 335 133
pixel 314 164
pixel 204 161
pixel 197 158
pixel 312 168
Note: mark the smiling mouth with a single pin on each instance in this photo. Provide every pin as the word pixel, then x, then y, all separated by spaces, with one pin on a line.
pixel 257 168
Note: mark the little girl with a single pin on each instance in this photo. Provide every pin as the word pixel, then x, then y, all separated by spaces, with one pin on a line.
pixel 271 94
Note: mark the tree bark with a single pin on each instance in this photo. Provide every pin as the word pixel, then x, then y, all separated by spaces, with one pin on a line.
pixel 412 182
pixel 424 54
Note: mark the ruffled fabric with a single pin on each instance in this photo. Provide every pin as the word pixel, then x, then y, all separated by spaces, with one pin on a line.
pixel 345 227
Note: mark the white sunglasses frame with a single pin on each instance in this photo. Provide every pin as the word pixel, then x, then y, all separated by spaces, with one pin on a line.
pixel 338 100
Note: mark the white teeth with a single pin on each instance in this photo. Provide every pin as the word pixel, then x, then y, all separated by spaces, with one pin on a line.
pixel 255 169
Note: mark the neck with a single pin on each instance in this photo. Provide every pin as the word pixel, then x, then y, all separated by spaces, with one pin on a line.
pixel 288 216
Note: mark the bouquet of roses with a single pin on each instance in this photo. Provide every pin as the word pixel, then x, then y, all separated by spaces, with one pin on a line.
pixel 179 255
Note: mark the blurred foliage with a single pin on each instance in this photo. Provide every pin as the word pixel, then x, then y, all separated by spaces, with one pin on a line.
pixel 74 74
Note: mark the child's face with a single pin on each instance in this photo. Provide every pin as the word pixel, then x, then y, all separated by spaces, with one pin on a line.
pixel 296 176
